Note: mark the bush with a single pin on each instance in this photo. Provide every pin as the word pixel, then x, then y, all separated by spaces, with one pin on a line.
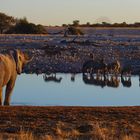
pixel 24 27
pixel 5 22
pixel 74 31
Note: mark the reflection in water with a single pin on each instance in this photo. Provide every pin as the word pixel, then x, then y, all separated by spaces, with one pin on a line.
pixel 126 81
pixel 111 81
pixel 73 77
pixel 94 79
pixel 90 79
pixel 51 77
pixel 139 80
pixel 78 93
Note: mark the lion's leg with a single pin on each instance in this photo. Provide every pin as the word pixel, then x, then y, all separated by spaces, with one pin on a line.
pixel 9 89
pixel 1 96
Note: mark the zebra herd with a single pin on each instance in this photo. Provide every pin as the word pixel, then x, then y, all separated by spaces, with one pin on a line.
pixel 102 74
pixel 100 68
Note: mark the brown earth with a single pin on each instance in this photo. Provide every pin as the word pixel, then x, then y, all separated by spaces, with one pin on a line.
pixel 72 122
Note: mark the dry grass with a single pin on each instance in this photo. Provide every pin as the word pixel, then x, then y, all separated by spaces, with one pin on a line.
pixel 99 134
pixel 21 136
pixel 69 123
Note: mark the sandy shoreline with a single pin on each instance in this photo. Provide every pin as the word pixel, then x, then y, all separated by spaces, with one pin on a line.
pixel 56 53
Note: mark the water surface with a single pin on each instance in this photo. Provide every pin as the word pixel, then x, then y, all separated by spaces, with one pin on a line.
pixel 33 90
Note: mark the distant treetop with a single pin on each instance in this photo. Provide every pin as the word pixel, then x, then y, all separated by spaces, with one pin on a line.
pixel 76 23
pixel 6 22
pixel 9 24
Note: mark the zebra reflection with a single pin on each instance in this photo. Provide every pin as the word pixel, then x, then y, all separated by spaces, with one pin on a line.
pixel 51 77
pixel 73 77
pixel 126 81
pixel 101 81
pixel 139 80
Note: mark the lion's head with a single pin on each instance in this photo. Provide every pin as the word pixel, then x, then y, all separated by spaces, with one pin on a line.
pixel 21 59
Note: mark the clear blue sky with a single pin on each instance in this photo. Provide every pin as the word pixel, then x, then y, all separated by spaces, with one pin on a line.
pixel 56 12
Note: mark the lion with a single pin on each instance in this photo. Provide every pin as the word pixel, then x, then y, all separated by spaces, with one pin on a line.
pixel 11 64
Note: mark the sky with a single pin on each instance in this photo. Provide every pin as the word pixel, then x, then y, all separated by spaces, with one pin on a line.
pixel 57 12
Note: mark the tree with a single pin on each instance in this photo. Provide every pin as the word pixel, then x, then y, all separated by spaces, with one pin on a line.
pixel 5 22
pixel 40 29
pixel 64 25
pixel 24 27
pixel 76 23
pixel 137 24
pixel 88 24
pixel 124 24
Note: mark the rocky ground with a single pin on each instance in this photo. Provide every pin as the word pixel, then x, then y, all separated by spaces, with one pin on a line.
pixel 56 53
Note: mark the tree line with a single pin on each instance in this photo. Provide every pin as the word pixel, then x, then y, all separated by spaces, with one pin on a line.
pixel 76 23
pixel 11 25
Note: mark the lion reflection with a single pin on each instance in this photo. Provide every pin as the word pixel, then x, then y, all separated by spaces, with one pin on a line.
pixel 51 77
